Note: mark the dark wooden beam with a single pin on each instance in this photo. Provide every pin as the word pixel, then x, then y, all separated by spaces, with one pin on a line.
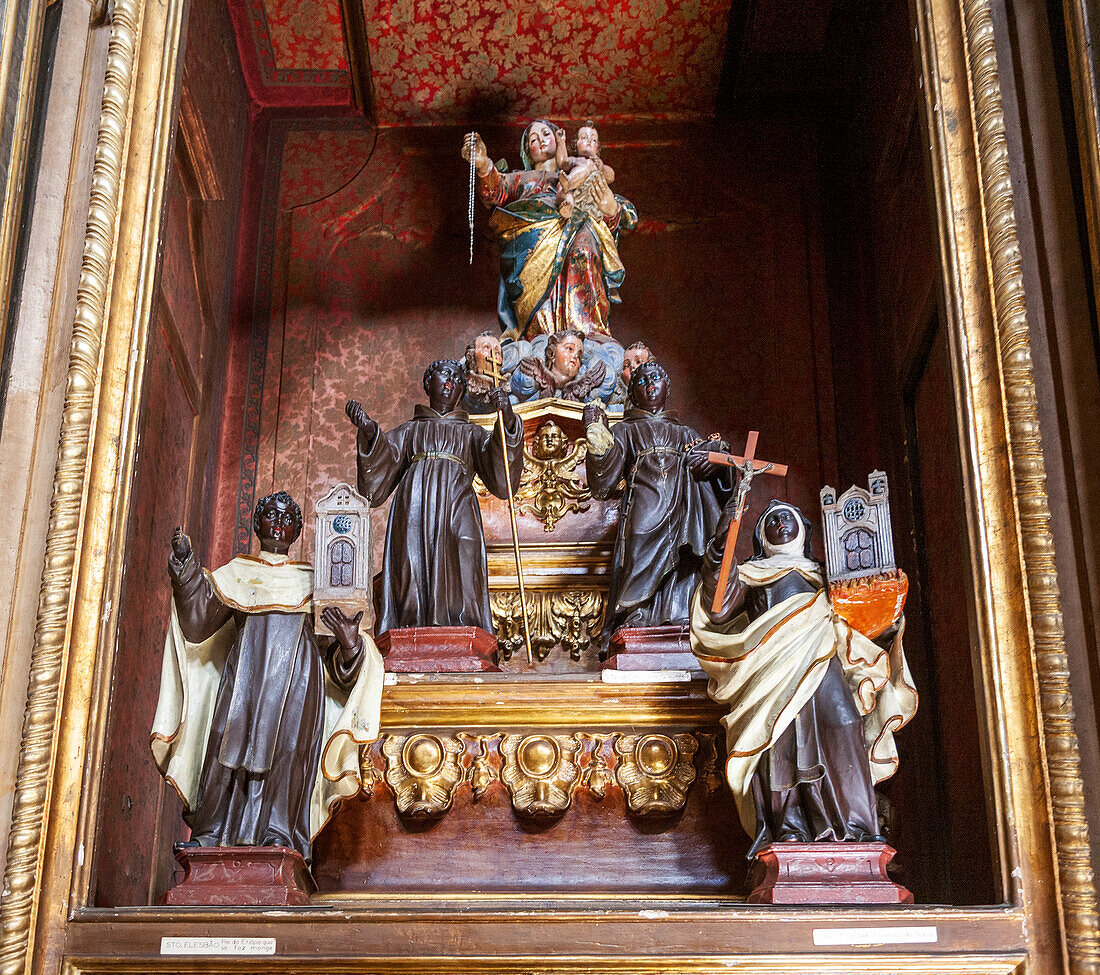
pixel 358 50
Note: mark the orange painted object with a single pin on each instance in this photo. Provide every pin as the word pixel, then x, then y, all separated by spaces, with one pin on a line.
pixel 872 603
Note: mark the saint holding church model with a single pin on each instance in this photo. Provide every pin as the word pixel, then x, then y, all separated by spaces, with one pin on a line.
pixel 670 505
pixel 813 703
pixel 434 570
pixel 250 696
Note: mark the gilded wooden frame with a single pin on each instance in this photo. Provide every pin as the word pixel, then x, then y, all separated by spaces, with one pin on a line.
pixel 1050 923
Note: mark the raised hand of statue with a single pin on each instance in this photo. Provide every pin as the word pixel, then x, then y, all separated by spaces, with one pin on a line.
pixel 481 155
pixel 593 413
pixel 499 398
pixel 181 544
pixel 345 627
pixel 359 417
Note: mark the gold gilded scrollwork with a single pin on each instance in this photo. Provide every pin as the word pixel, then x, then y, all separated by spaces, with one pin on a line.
pixel 483 773
pixel 655 772
pixel 550 488
pixel 1077 882
pixel 541 772
pixel 597 774
pixel 712 779
pixel 570 617
pixel 424 772
pixel 368 771
pixel 96 270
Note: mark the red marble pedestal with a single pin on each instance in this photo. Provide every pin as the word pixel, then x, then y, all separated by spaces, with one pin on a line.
pixel 438 650
pixel 826 873
pixel 241 876
pixel 651 648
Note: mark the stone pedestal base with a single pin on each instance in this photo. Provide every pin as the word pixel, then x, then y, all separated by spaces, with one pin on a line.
pixel 241 876
pixel 438 650
pixel 651 648
pixel 826 873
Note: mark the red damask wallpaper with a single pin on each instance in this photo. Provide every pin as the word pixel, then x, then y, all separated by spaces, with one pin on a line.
pixel 446 62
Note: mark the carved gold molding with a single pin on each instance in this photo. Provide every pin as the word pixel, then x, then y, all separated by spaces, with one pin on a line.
pixel 655 772
pixel 1024 662
pixel 541 772
pixel 37 748
pixel 571 618
pixel 1063 760
pixel 424 772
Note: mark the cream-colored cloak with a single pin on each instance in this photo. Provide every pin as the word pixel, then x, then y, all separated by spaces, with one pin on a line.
pixel 767 670
pixel 191 674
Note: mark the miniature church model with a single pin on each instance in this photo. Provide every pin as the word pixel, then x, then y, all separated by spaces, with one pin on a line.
pixel 858 538
pixel 342 555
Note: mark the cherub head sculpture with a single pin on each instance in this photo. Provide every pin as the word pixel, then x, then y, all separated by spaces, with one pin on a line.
pixel 564 352
pixel 484 349
pixel 549 442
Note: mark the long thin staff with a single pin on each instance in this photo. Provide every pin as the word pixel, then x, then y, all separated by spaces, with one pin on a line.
pixel 495 374
pixel 471 141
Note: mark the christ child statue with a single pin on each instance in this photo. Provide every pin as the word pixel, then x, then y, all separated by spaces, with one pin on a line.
pixel 579 176
pixel 434 569
pixel 249 692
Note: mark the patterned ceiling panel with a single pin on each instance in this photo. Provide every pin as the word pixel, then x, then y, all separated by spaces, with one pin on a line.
pixel 292 52
pixel 299 42
pixel 456 61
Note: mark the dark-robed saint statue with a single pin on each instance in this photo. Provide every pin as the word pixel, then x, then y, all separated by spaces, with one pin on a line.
pixel 670 505
pixel 813 704
pixel 434 571
pixel 251 699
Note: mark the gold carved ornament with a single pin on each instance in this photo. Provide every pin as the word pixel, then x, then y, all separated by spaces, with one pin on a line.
pixel 984 283
pixel 655 772
pixel 70 486
pixel 424 771
pixel 549 487
pixel 572 618
pixel 541 772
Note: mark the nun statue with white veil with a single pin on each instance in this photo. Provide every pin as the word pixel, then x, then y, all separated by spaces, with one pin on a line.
pixel 812 703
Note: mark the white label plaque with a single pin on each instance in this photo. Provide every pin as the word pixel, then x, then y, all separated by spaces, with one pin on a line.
pixel 217 946
pixel 853 937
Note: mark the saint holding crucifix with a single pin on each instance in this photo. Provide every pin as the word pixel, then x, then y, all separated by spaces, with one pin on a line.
pixel 813 703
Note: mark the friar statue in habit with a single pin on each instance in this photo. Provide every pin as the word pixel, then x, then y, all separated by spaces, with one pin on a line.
pixel 434 571
pixel 250 696
pixel 669 508
pixel 813 704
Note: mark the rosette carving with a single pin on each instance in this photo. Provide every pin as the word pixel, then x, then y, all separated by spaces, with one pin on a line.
pixel 541 772
pixel 424 772
pixel 655 772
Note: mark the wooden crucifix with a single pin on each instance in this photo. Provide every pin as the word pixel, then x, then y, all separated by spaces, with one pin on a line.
pixel 494 362
pixel 749 467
